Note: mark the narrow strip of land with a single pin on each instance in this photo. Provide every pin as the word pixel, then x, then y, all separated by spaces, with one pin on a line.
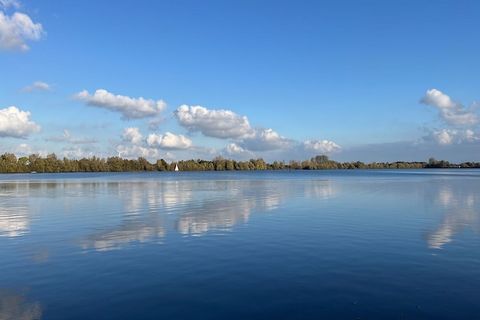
pixel 9 163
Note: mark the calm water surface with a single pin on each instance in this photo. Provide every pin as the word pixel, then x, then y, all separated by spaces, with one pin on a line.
pixel 245 245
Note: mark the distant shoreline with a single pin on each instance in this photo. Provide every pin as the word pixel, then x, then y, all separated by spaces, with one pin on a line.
pixel 227 171
pixel 9 163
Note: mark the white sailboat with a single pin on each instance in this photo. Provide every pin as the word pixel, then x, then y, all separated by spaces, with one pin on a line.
pixel 176 167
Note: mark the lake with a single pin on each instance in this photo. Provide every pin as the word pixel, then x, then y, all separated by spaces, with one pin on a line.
pixel 364 244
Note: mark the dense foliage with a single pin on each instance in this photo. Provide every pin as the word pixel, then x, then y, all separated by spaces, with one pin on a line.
pixel 35 163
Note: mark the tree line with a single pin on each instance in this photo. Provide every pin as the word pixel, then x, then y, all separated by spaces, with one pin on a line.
pixel 9 163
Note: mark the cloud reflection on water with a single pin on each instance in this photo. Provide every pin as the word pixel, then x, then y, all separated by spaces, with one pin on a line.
pixel 14 211
pixel 215 205
pixel 460 205
pixel 15 307
pixel 122 235
pixel 14 220
pixel 150 209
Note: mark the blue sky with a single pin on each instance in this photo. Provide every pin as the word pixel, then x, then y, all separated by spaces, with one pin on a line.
pixel 357 80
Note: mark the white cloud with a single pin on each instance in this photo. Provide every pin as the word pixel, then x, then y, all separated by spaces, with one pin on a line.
pixel 132 135
pixel 226 124
pixel 234 150
pixel 444 136
pixel 169 141
pixel 130 108
pixel 16 123
pixel 436 98
pixel 321 146
pixel 220 123
pixel 37 86
pixel 17 29
pixel 453 113
pixel 134 151
pixel 266 139
pixel 451 136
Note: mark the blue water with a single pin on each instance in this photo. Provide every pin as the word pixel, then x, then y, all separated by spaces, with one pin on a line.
pixel 241 245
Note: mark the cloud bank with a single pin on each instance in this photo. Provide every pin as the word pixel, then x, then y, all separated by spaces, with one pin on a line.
pixel 245 140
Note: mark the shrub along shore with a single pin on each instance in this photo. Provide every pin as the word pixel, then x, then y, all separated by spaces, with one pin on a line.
pixel 9 163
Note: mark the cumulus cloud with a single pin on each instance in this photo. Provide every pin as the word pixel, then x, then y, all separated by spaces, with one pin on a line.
pixel 169 141
pixel 16 123
pixel 451 136
pixel 321 146
pixel 135 151
pixel 135 145
pixel 17 29
pixel 236 151
pixel 130 108
pixel 223 124
pixel 264 140
pixel 132 135
pixel 453 113
pixel 37 86
pixel 444 136
pixel 226 124
pixel 233 148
